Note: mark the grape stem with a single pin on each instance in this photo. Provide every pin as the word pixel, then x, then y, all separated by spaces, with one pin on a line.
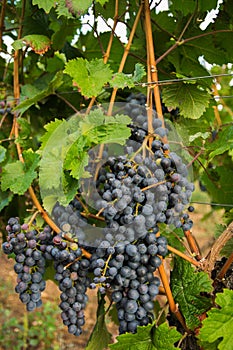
pixel 152 63
pixel 225 267
pixel 173 306
pixel 153 185
pixel 193 245
pixel 184 256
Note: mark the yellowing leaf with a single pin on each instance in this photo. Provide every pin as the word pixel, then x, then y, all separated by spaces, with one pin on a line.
pixel 39 43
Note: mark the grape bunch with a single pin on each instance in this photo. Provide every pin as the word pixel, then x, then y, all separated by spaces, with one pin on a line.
pixel 29 247
pixel 109 238
pixel 71 274
pixel 127 270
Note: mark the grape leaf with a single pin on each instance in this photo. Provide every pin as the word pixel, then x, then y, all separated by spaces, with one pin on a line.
pixel 222 143
pixel 148 338
pixel 64 161
pixel 50 128
pixel 121 80
pixel 185 6
pixel 219 323
pixel 102 2
pixel 174 236
pixel 78 7
pixel 44 4
pixel 100 336
pixel 2 153
pixel 39 43
pixel 191 101
pixel 5 199
pixel 217 183
pixel 89 76
pixel 186 287
pixel 37 95
pixel 18 176
pixel 96 128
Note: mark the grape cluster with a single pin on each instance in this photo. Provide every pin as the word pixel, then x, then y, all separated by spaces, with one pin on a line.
pixel 128 268
pixel 29 247
pixel 117 226
pixel 5 108
pixel 71 274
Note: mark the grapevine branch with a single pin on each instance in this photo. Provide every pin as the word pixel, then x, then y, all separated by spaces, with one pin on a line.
pixel 184 256
pixel 184 41
pixel 225 267
pixel 2 16
pixel 214 252
pixel 152 62
pixel 173 306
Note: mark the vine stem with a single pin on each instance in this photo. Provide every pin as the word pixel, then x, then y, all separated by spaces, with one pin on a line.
pixel 193 245
pixel 152 62
pixel 184 41
pixel 2 16
pixel 225 267
pixel 173 306
pixel 214 252
pixel 184 256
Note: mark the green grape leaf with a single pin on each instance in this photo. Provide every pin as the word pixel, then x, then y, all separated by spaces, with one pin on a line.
pixel 190 100
pixel 139 72
pixel 222 143
pixel 219 323
pixel 38 43
pixel 89 76
pixel 5 199
pixel 78 7
pixel 174 236
pixel 218 185
pixel 203 135
pixel 46 5
pixel 121 80
pixel 102 2
pixel 62 10
pixel 50 128
pixel 76 160
pixel 100 336
pixel 95 129
pixel 148 338
pixel 186 287
pixel 37 95
pixel 63 162
pixel 2 153
pixel 185 6
pixel 18 176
